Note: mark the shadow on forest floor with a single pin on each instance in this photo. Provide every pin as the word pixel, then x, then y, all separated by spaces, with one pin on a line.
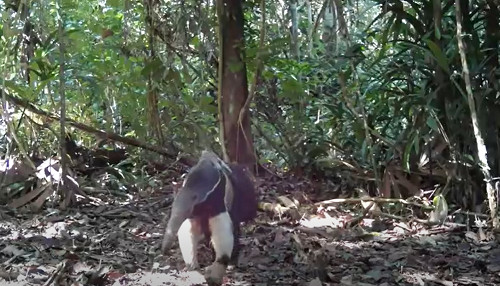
pixel 117 243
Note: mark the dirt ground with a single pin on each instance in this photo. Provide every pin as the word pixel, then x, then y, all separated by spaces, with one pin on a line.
pixel 117 243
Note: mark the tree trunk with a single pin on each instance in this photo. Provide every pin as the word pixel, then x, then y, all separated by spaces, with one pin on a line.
pixel 236 136
pixel 65 191
pixel 310 28
pixel 440 75
pixel 294 30
pixel 481 148
pixel 152 99
pixel 329 35
pixel 491 41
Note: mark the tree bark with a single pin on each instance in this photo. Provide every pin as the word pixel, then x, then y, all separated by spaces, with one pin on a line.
pixel 329 35
pixel 236 135
pixel 440 75
pixel 152 97
pixel 294 30
pixel 481 148
pixel 66 192
pixel 491 41
pixel 310 28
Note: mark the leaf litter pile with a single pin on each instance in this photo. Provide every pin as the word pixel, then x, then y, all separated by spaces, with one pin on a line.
pixel 294 241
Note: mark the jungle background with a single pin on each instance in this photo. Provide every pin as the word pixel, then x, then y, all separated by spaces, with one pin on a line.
pixel 372 129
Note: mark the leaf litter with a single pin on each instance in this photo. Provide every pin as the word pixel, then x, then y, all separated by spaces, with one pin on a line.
pixel 292 242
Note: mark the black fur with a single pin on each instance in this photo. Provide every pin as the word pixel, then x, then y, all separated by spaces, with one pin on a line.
pixel 203 197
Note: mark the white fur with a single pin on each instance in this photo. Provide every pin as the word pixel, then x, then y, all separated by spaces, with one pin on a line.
pixel 221 228
pixel 189 235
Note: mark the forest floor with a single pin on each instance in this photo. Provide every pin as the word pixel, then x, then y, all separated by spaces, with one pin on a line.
pixel 116 242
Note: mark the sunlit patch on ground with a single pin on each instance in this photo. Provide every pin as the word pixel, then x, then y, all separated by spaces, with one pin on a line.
pixel 144 278
pixel 117 244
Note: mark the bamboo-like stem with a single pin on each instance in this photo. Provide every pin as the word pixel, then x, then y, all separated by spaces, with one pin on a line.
pixel 220 15
pixel 481 148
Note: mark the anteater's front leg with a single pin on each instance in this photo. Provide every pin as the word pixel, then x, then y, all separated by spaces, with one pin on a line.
pixel 189 236
pixel 221 229
pixel 236 244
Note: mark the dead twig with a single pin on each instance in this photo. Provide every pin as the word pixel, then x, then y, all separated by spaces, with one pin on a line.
pixel 358 219
pixel 377 200
pixel 100 133
pixel 470 213
pixel 8 275
pixel 58 273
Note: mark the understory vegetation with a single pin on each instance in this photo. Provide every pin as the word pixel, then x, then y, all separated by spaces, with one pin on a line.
pixel 372 91
pixel 394 100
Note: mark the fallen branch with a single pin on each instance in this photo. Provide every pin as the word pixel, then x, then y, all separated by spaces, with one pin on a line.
pixel 274 208
pixel 314 231
pixel 470 213
pixel 367 209
pixel 100 133
pixel 393 200
pixel 378 200
pixel 57 275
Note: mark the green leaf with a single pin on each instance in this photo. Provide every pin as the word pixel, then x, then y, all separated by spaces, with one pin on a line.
pixel 206 100
pixel 396 28
pixel 114 3
pixel 317 152
pixel 41 85
pixel 206 104
pixel 154 66
pixel 211 109
pixel 440 212
pixel 292 89
pixel 69 4
pixel 359 130
pixel 438 55
pixel 195 41
pixel 279 43
pixel 431 122
pixel 364 149
pixel 417 142
pixel 188 99
pixel 384 39
pixel 174 77
pixel 19 90
pixel 335 109
pixel 130 134
pixel 9 31
pixel 407 152
pixel 437 33
pixel 186 76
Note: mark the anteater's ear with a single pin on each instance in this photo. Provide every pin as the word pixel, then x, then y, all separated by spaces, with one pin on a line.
pixel 216 160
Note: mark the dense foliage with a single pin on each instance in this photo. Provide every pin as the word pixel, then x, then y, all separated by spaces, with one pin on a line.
pixel 366 88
